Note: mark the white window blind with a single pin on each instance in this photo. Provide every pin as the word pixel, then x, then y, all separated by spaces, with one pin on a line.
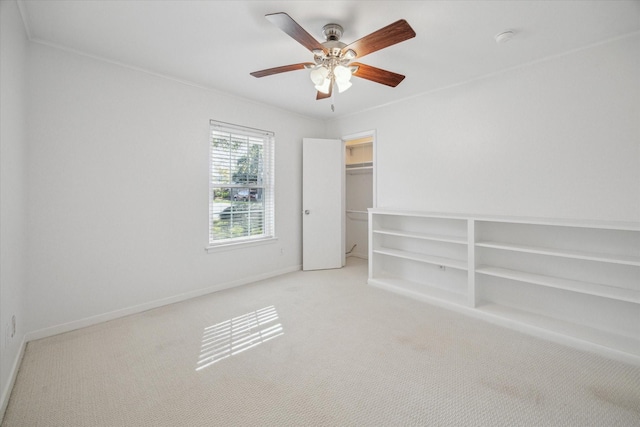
pixel 241 184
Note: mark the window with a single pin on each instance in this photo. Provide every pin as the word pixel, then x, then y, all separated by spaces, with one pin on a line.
pixel 241 184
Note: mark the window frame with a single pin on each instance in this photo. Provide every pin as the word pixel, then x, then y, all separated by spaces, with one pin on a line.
pixel 265 180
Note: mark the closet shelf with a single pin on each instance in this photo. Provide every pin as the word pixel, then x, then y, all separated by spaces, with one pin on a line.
pixel 428 259
pixel 359 163
pixel 359 170
pixel 589 256
pixel 423 236
pixel 596 289
pixel 363 143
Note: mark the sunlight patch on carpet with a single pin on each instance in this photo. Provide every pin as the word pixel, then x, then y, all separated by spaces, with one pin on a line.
pixel 233 336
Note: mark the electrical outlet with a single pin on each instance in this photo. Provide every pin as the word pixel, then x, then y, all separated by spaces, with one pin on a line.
pixel 281 251
pixel 10 330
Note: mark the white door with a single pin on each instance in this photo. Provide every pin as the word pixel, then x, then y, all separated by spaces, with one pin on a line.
pixel 322 204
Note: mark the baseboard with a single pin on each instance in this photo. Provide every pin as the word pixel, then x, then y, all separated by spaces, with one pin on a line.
pixel 6 392
pixel 93 320
pixel 559 338
pixel 525 328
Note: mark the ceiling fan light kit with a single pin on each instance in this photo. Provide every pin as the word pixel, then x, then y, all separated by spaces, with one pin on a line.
pixel 332 59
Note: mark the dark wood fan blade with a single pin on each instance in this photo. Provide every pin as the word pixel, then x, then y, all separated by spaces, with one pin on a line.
pixel 291 27
pixel 377 75
pixel 322 95
pixel 394 33
pixel 283 69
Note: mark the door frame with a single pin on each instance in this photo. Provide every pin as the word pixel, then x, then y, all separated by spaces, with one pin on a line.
pixel 364 134
pixel 358 135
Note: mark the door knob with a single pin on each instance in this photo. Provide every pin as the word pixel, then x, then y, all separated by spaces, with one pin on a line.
pixel 307 212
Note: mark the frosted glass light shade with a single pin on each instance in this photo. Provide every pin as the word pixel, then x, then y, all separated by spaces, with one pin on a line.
pixel 324 87
pixel 342 86
pixel 342 74
pixel 349 55
pixel 319 75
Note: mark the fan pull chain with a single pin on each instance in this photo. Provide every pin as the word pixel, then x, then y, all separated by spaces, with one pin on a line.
pixel 333 100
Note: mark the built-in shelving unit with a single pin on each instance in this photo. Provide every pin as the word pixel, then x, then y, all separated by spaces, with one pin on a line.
pixel 430 252
pixel 576 282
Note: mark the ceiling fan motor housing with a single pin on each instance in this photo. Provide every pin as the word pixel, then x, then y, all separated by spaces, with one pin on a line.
pixel 334 48
pixel 332 32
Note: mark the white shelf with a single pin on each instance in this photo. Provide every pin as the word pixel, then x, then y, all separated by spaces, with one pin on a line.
pixel 606 291
pixel 423 236
pixel 356 211
pixel 571 331
pixel 358 168
pixel 614 303
pixel 573 223
pixel 418 214
pixel 428 259
pixel 360 144
pixel 418 290
pixel 614 259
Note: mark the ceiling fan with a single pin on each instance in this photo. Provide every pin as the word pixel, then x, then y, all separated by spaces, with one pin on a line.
pixel 332 58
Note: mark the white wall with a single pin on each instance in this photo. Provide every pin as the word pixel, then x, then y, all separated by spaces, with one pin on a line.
pixel 118 168
pixel 13 51
pixel 557 138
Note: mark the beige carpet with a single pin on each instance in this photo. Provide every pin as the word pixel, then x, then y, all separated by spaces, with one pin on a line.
pixel 314 348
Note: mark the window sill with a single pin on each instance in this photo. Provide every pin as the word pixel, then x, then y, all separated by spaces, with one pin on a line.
pixel 240 245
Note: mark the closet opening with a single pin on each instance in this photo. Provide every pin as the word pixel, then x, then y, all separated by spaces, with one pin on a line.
pixel 359 191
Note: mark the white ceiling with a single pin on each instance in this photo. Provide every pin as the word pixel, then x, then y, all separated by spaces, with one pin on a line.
pixel 217 44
